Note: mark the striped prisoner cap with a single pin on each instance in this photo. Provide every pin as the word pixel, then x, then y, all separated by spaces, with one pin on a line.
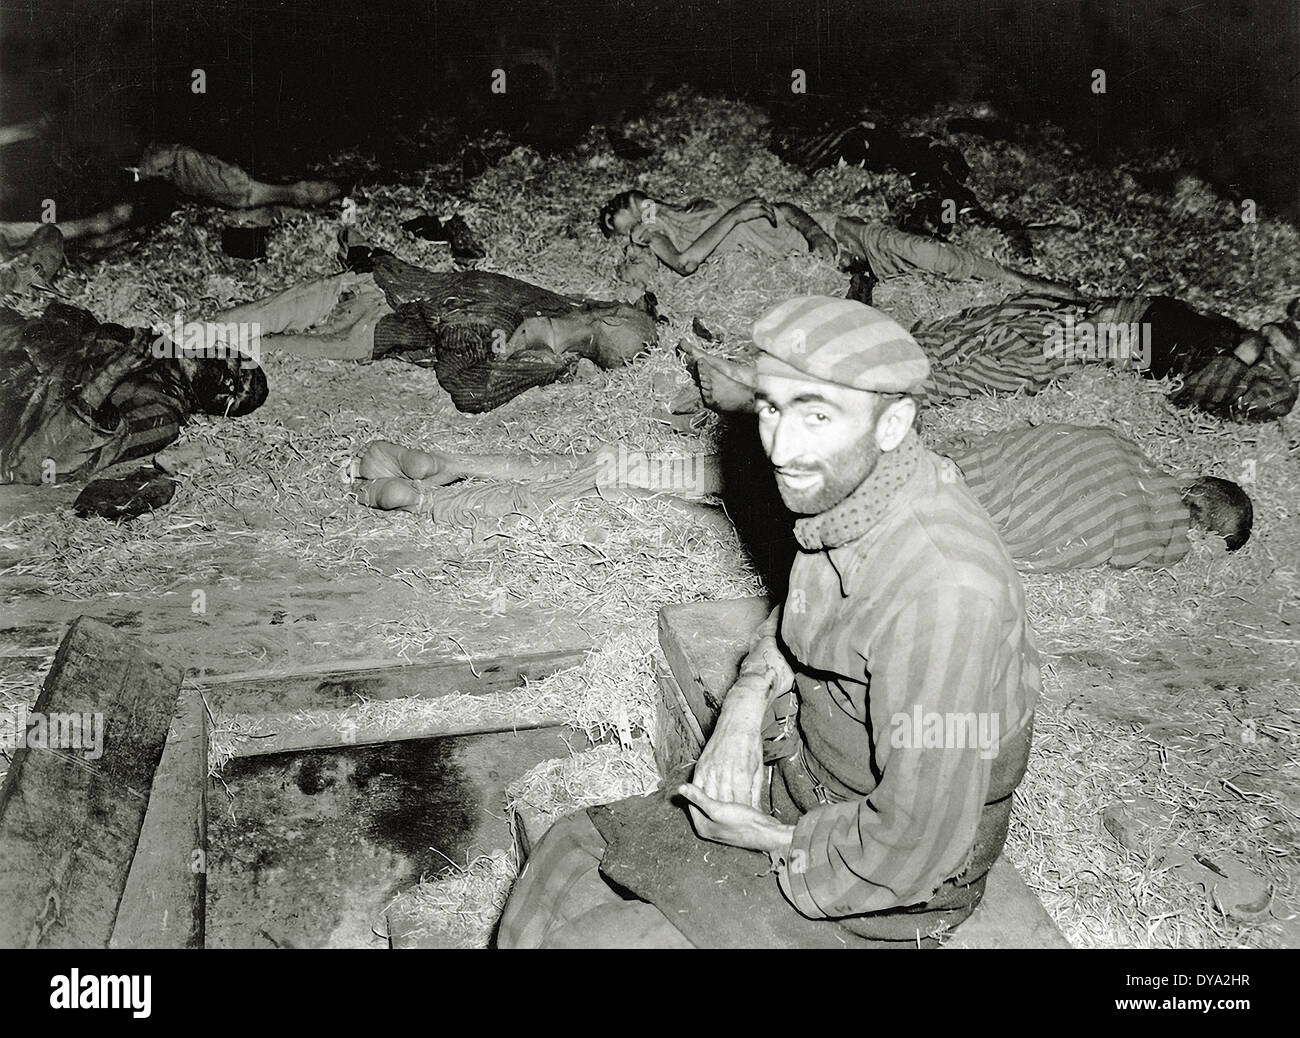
pixel 839 341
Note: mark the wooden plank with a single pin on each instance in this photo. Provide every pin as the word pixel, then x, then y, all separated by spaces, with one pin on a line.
pixel 281 617
pixel 340 688
pixel 527 825
pixel 678 738
pixel 69 824
pixel 277 733
pixel 162 905
pixel 704 643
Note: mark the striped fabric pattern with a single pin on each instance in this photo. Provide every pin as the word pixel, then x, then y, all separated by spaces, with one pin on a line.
pixel 560 899
pixel 1071 497
pixel 840 341
pixel 924 611
pixel 147 427
pixel 449 320
pixel 476 296
pixel 559 883
pixel 997 348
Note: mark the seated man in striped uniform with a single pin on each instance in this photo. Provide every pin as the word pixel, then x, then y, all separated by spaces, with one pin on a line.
pixel 684 237
pixel 1026 341
pixel 901 599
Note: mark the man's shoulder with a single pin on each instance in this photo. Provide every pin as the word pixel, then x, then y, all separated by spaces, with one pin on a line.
pixel 941 536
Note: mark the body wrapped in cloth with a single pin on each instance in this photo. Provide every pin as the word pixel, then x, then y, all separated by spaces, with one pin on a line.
pixel 78 395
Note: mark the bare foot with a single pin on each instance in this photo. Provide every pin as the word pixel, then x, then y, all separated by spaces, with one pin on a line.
pixel 389 493
pixel 384 460
pixel 726 386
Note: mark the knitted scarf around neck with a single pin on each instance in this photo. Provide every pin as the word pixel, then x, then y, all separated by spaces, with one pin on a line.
pixel 862 509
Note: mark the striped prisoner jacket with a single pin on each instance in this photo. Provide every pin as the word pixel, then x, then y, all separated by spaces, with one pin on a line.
pixel 1026 341
pixel 903 605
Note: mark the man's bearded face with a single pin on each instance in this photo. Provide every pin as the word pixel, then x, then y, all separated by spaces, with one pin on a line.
pixel 810 486
pixel 819 438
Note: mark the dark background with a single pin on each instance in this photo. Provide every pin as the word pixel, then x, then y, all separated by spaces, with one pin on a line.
pixel 289 84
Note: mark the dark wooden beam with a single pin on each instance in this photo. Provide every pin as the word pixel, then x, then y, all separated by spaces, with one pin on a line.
pixel 70 821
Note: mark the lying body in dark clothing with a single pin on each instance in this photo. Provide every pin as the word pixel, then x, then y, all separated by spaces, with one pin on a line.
pixel 937 172
pixel 78 395
pixel 487 336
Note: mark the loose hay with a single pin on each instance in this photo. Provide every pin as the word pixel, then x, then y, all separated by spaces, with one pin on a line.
pixel 459 910
pixel 19 688
pixel 597 776
pixel 275 480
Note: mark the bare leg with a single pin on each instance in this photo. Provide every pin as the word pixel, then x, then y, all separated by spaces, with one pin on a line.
pixel 300 192
pixel 99 223
pixel 340 332
pixel 215 180
pixel 355 343
pixel 631 471
pixel 301 307
pixel 382 458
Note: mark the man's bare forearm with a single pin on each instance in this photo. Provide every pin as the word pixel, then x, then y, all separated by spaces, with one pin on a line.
pixel 765 673
pixel 707 243
pixel 802 222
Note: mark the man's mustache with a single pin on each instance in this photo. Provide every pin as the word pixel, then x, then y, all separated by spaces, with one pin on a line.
pixel 805 469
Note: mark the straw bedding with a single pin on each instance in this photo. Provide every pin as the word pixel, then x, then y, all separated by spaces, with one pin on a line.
pixel 275 479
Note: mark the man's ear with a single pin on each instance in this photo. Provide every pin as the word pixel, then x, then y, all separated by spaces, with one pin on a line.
pixel 894 422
